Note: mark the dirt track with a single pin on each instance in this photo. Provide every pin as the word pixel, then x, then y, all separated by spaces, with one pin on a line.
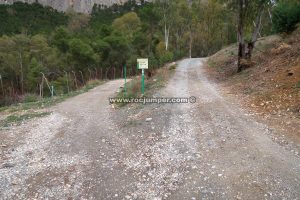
pixel 211 149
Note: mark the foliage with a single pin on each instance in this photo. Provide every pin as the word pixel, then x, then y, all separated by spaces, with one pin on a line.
pixel 286 15
pixel 127 25
pixel 29 18
pixel 72 48
pixel 18 119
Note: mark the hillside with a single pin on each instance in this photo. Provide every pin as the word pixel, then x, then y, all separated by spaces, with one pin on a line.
pixel 271 87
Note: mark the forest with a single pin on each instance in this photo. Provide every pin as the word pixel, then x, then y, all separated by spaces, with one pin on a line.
pixel 39 45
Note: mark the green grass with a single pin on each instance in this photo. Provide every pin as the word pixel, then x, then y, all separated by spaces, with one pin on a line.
pixel 211 63
pixel 18 119
pixel 297 86
pixel 47 102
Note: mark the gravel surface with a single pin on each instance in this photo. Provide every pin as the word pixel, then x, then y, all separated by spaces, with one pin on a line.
pixel 86 149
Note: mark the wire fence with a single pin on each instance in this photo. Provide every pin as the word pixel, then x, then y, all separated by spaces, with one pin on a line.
pixel 64 82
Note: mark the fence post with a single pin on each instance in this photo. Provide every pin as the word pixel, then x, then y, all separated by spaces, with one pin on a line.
pixel 114 73
pixel 67 81
pixel 2 85
pixel 75 79
pixel 96 73
pixel 82 79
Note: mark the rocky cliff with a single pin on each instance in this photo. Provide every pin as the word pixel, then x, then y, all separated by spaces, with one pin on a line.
pixel 84 6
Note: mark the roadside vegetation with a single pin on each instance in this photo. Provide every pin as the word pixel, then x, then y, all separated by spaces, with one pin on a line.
pixel 270 87
pixel 270 76
pixel 32 101
pixel 18 119
pixel 154 81
pixel 44 52
pixel 34 107
pixel 41 48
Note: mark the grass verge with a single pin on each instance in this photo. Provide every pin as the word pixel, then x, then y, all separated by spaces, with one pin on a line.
pixel 47 102
pixel 18 119
pixel 152 84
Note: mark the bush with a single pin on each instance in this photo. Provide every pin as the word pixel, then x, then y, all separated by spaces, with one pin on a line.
pixel 61 85
pixel 166 57
pixel 30 98
pixel 285 16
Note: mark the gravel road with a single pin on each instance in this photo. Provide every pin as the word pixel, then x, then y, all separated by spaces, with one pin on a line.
pixel 86 149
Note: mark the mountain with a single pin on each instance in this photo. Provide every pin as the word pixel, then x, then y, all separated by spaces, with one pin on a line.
pixel 83 6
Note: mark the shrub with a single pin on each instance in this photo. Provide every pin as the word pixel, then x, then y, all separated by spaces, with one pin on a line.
pixel 285 16
pixel 30 98
pixel 166 57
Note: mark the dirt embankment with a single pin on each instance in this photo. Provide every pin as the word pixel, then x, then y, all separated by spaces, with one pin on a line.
pixel 271 87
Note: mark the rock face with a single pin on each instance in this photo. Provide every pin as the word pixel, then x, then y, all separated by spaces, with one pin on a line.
pixel 84 6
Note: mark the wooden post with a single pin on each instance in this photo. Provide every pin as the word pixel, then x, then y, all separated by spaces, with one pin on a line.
pixel 82 79
pixel 50 88
pixel 67 81
pixel 75 79
pixel 42 88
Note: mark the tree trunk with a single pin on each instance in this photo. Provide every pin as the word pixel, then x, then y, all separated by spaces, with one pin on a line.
pixel 241 41
pixel 255 34
pixel 167 31
pixel 245 51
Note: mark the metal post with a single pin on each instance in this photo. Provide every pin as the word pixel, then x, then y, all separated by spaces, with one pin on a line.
pixel 52 90
pixel 143 82
pixel 125 89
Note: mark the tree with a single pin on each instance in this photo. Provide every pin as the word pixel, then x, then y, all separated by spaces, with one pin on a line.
pixel 128 24
pixel 150 16
pixel 33 75
pixel 118 50
pixel 248 11
pixel 60 39
pixel 82 54
pixel 286 15
pixel 166 9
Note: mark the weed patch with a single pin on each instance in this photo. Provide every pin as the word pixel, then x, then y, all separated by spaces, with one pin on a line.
pixel 18 119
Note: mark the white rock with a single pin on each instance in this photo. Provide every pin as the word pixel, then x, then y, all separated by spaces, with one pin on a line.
pixel 149 119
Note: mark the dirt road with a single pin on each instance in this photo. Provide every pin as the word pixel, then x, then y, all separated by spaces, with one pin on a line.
pixel 211 149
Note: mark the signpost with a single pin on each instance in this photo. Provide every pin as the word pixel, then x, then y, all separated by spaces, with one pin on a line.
pixel 125 79
pixel 143 64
